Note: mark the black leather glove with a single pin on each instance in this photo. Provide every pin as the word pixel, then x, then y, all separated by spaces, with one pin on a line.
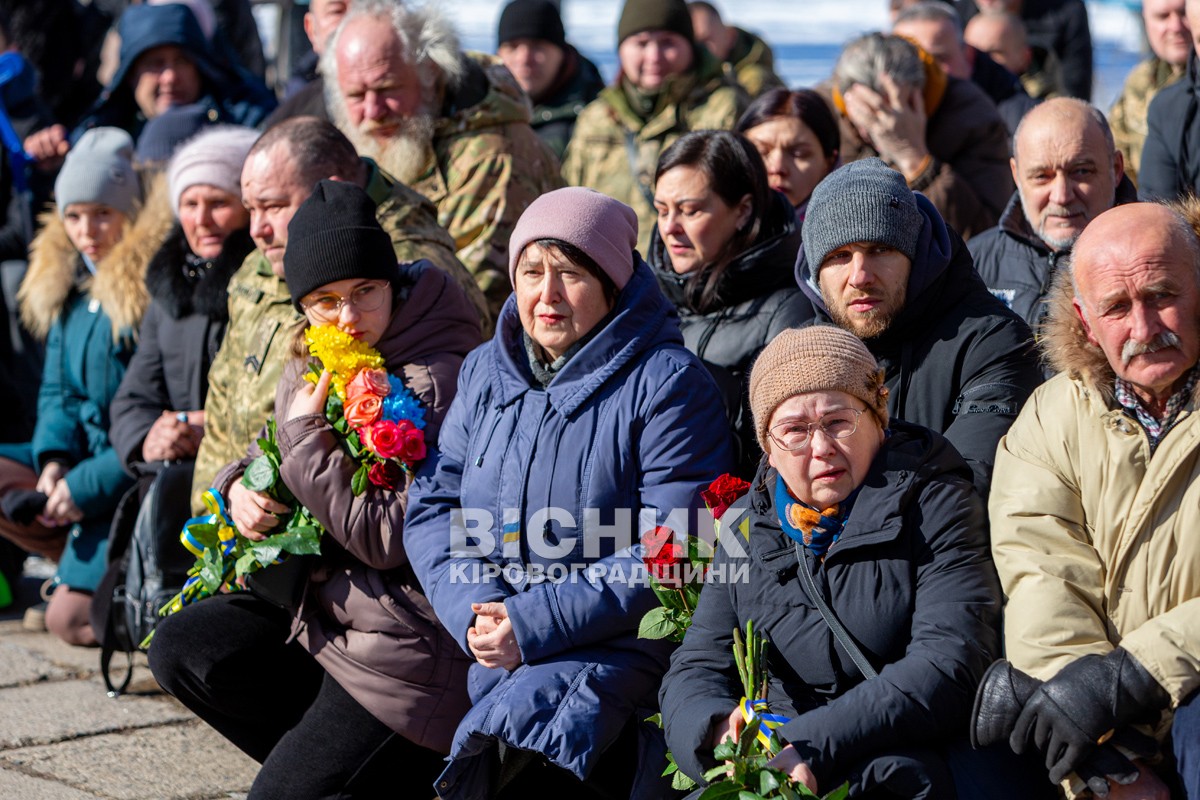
pixel 1066 716
pixel 23 505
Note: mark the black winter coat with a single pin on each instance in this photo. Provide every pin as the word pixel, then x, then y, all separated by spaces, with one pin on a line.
pixel 1011 99
pixel 911 579
pixel 1170 167
pixel 758 298
pixel 956 359
pixel 1017 266
pixel 553 117
pixel 179 337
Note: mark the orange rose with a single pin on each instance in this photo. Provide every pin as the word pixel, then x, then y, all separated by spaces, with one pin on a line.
pixel 372 381
pixel 363 409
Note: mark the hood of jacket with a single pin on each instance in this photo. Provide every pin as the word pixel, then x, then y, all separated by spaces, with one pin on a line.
pixel 1014 222
pixel 1064 341
pixel 705 77
pixel 167 281
pixel 435 317
pixel 577 89
pixel 155 26
pixel 487 97
pixel 766 266
pixel 641 320
pixel 941 272
pixel 119 285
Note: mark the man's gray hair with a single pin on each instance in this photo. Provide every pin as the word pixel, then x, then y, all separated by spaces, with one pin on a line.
pixel 427 39
pixel 864 59
pixel 932 11
pixel 1066 104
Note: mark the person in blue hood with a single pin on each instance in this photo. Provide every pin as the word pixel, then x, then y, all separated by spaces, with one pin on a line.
pixel 165 61
pixel 582 423
pixel 879 261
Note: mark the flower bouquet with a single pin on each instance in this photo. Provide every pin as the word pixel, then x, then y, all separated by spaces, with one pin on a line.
pixel 377 421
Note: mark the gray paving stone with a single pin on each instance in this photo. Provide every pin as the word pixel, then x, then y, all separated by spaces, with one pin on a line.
pixel 48 712
pixel 77 660
pixel 20 664
pixel 187 761
pixel 19 786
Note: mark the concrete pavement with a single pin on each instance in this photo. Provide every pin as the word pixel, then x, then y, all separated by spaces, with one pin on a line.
pixel 63 738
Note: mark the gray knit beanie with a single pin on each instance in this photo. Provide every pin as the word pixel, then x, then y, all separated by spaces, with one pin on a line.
pixel 213 157
pixel 99 169
pixel 863 201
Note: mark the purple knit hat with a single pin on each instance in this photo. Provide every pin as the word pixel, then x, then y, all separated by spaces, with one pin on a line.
pixel 604 228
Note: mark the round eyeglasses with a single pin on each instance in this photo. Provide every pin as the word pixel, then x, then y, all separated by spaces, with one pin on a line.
pixel 794 435
pixel 328 307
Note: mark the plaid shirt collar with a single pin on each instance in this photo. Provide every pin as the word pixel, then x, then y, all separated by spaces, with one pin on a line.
pixel 1155 428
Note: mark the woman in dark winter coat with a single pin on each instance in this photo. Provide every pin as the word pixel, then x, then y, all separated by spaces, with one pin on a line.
pixel 84 294
pixel 723 251
pixel 885 519
pixel 798 138
pixel 584 410
pixel 158 413
pixel 366 687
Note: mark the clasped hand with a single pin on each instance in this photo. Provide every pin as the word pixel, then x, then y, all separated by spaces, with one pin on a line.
pixel 491 638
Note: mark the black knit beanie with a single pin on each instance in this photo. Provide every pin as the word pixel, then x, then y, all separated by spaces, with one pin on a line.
pixel 334 236
pixel 531 19
pixel 655 15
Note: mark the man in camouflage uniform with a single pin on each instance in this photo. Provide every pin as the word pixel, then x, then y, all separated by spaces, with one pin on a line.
pixel 668 86
pixel 280 172
pixel 745 55
pixel 1170 41
pixel 452 126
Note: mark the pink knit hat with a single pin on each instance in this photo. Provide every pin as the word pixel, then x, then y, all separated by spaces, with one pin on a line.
pixel 604 228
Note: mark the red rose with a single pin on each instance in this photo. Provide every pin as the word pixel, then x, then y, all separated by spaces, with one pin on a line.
pixel 371 381
pixel 412 447
pixel 663 556
pixel 383 438
pixel 722 493
pixel 386 474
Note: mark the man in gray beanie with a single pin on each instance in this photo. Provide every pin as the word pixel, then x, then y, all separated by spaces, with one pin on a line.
pixel 879 261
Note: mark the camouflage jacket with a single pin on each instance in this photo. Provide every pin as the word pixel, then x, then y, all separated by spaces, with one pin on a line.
pixel 753 64
pixel 490 166
pixel 257 343
pixel 615 152
pixel 1127 118
pixel 242 378
pixel 1043 79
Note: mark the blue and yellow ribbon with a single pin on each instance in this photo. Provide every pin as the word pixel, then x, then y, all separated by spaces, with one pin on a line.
pixel 767 723
pixel 226 530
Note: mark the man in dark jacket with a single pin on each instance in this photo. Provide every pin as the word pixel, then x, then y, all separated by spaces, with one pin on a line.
pixel 305 91
pixel 1170 165
pixel 165 61
pixel 559 80
pixel 1068 171
pixel 746 57
pixel 1060 26
pixel 879 261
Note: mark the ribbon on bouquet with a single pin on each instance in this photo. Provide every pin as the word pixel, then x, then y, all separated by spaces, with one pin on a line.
pixel 226 530
pixel 767 722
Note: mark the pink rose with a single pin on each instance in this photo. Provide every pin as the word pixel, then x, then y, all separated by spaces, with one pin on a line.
pixel 362 409
pixel 413 449
pixel 372 381
pixel 384 439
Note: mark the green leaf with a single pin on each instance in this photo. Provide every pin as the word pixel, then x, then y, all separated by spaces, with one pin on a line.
pixel 682 783
pixel 655 625
pixel 260 475
pixel 840 793
pixel 725 751
pixel 668 597
pixel 767 782
pixel 267 550
pixel 725 790
pixel 304 540
pixel 358 483
pixel 246 564
pixel 699 551
pixel 212 574
pixel 657 720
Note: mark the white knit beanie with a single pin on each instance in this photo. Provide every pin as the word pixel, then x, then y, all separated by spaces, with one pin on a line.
pixel 213 157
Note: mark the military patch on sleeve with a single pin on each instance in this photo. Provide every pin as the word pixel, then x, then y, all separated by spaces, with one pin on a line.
pixel 1005 296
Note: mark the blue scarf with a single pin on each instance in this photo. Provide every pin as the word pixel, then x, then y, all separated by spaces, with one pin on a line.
pixel 816 530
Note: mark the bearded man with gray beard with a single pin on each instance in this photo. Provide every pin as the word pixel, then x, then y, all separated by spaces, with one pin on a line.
pixel 452 126
pixel 1068 171
pixel 880 262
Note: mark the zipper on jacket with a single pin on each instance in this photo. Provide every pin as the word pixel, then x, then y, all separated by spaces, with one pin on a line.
pixel 488 441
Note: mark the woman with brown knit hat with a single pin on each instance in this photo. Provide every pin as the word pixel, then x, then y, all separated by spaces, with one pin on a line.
pixel 879 519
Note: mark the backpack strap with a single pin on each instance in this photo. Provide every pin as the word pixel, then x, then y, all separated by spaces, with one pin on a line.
pixel 106 654
pixel 839 631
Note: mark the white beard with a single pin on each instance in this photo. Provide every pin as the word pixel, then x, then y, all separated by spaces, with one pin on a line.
pixel 405 156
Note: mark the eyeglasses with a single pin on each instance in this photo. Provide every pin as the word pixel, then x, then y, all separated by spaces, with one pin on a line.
pixel 794 435
pixel 328 307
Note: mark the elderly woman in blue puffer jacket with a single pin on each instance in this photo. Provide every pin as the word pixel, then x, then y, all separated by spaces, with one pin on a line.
pixel 583 422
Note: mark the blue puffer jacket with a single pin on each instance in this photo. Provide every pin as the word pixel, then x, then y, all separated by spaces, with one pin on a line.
pixel 634 422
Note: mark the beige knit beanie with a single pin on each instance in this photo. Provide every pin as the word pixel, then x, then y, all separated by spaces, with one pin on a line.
pixel 814 359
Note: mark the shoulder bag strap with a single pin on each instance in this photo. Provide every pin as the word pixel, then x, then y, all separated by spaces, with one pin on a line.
pixel 839 631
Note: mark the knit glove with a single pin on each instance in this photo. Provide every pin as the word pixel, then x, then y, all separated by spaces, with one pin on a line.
pixel 1002 695
pixel 1066 716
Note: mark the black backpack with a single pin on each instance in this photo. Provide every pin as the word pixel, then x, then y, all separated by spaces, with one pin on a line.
pixel 147 565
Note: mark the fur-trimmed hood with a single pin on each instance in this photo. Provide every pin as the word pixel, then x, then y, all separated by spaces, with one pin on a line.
pixel 1063 341
pixel 177 294
pixel 119 284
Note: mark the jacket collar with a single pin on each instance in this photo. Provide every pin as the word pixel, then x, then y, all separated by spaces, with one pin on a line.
pixel 642 319
pixel 1014 222
pixel 205 294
